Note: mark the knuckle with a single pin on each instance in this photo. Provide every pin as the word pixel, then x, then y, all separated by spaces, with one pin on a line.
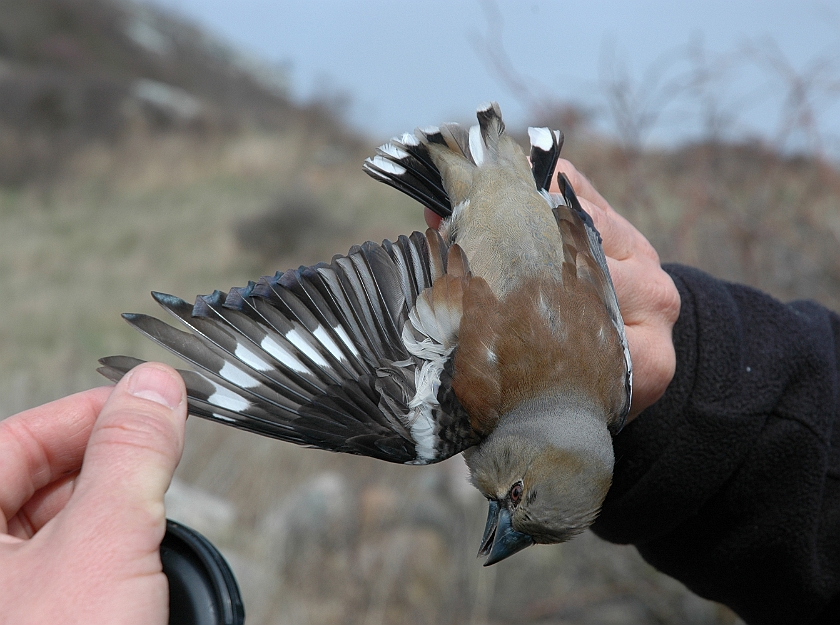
pixel 660 297
pixel 665 364
pixel 142 428
pixel 648 251
pixel 669 299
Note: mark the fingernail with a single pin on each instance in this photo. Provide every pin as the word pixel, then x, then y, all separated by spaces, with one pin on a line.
pixel 157 385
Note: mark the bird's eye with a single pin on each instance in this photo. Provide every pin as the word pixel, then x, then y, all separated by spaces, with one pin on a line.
pixel 516 493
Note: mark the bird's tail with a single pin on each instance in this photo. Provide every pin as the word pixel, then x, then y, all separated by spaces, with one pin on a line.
pixel 411 163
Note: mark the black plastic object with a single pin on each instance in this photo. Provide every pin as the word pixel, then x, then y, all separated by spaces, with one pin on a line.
pixel 202 588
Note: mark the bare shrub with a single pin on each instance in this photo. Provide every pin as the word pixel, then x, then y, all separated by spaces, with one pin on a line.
pixel 294 220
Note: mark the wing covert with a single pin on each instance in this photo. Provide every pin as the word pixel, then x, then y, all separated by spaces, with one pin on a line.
pixel 567 199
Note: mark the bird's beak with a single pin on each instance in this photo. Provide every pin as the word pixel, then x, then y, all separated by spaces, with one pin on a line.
pixel 500 540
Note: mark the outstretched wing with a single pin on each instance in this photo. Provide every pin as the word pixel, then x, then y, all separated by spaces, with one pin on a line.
pixel 337 356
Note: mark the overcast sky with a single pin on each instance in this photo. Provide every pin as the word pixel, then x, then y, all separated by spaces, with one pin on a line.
pixel 407 64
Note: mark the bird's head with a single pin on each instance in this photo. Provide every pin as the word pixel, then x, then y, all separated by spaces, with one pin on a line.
pixel 545 470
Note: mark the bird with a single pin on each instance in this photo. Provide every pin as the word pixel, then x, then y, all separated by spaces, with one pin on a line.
pixel 498 336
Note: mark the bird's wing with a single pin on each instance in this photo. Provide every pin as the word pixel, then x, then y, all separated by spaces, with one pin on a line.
pixel 352 356
pixel 545 150
pixel 567 208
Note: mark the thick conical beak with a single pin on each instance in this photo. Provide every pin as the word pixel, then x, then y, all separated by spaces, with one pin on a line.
pixel 500 540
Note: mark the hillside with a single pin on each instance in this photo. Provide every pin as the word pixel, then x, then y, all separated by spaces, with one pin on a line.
pixel 73 72
pixel 137 153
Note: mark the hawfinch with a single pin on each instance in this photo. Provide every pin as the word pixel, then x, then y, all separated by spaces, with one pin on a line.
pixel 498 336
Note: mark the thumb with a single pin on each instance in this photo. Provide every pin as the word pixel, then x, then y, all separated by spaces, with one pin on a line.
pixel 133 450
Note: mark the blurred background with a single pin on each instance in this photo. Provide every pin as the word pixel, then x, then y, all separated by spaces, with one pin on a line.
pixel 189 145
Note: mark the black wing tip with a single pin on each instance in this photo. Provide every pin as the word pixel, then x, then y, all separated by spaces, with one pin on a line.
pixel 205 304
pixel 571 198
pixel 489 116
pixel 115 367
pixel 234 300
pixel 134 318
pixel 262 289
pixel 165 299
pixel 216 298
pixel 545 150
pixel 238 295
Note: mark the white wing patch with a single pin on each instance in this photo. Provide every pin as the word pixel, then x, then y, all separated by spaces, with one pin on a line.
pixel 476 145
pixel 224 398
pixel 297 339
pixel 283 355
pixel 540 138
pixel 327 341
pixel 393 151
pixel 237 376
pixel 345 338
pixel 251 358
pixel 387 166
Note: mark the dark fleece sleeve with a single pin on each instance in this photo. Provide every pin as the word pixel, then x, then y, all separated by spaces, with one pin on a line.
pixel 729 483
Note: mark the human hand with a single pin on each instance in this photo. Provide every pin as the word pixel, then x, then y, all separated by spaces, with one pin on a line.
pixel 82 481
pixel 649 301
